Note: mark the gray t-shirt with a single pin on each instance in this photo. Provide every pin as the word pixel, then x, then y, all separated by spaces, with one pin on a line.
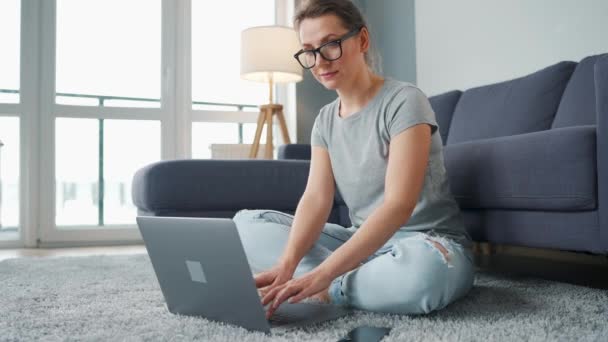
pixel 358 147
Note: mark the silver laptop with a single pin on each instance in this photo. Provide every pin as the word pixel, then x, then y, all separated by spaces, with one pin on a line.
pixel 202 270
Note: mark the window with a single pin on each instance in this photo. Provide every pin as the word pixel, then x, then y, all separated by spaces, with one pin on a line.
pixel 109 93
pixel 108 52
pixel 216 37
pixel 9 173
pixel 205 134
pixel 10 14
pixel 10 21
pixel 216 83
pixel 96 160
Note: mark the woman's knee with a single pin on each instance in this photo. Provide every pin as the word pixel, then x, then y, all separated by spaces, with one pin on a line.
pixel 420 256
pixel 264 216
pixel 259 225
pixel 420 292
pixel 247 223
pixel 245 215
pixel 417 280
pixel 436 275
pixel 410 295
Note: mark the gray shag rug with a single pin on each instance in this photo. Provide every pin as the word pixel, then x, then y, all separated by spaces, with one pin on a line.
pixel 117 298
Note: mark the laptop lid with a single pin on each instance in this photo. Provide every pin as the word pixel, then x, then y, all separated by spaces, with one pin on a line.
pixel 202 269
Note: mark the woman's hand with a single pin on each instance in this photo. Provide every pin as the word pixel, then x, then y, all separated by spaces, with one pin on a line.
pixel 277 275
pixel 308 285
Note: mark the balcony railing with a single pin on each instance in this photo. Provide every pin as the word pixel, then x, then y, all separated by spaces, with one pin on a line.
pixel 101 101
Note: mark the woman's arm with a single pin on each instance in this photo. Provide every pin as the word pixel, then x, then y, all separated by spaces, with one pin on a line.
pixel 408 158
pixel 307 225
pixel 309 219
pixel 313 209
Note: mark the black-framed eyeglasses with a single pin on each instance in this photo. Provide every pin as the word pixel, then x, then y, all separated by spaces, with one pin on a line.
pixel 330 51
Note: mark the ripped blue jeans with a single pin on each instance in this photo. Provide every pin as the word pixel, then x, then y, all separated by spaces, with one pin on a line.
pixel 409 274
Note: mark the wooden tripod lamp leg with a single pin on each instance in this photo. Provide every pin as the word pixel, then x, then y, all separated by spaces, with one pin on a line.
pixel 267 113
pixel 268 154
pixel 258 134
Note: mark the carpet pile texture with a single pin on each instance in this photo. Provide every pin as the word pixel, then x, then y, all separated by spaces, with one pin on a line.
pixel 117 297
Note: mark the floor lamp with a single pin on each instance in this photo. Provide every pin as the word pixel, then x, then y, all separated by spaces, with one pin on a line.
pixel 267 56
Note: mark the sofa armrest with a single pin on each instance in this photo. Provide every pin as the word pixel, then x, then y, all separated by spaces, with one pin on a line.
pixel 553 170
pixel 601 101
pixel 198 185
pixel 294 151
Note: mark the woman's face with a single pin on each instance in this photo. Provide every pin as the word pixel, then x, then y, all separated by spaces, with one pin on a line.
pixel 332 74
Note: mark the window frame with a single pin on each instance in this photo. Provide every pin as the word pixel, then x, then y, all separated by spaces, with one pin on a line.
pixel 9 238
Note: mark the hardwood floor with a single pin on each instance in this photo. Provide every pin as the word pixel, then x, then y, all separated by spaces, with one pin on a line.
pixel 574 268
pixel 80 251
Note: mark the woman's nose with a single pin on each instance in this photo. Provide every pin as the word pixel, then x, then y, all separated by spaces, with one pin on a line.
pixel 322 63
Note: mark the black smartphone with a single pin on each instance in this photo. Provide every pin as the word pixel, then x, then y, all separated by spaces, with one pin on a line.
pixel 366 333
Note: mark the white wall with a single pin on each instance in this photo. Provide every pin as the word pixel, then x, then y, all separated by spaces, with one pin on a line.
pixel 467 43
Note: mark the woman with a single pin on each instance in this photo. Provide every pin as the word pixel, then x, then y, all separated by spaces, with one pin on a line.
pixel 407 250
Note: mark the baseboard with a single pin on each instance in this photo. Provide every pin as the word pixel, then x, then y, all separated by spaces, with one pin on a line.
pixel 484 248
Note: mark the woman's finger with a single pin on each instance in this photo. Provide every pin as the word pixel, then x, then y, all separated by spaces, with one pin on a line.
pixel 263 290
pixel 268 289
pixel 298 297
pixel 287 292
pixel 311 287
pixel 271 294
pixel 284 293
pixel 263 279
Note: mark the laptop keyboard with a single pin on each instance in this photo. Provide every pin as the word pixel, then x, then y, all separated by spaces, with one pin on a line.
pixel 295 313
pixel 281 318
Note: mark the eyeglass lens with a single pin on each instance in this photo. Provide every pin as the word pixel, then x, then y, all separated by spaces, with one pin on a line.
pixel 330 52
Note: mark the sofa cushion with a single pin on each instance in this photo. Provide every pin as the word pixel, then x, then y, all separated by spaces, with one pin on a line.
pixel 443 105
pixel 218 185
pixel 549 170
pixel 294 151
pixel 577 106
pixel 522 105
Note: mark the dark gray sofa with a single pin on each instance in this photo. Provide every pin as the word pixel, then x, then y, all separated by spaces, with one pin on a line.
pixel 527 161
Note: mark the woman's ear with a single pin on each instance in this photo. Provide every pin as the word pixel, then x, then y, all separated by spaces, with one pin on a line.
pixel 364 39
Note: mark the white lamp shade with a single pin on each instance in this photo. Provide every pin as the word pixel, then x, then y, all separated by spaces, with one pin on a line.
pixel 267 51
